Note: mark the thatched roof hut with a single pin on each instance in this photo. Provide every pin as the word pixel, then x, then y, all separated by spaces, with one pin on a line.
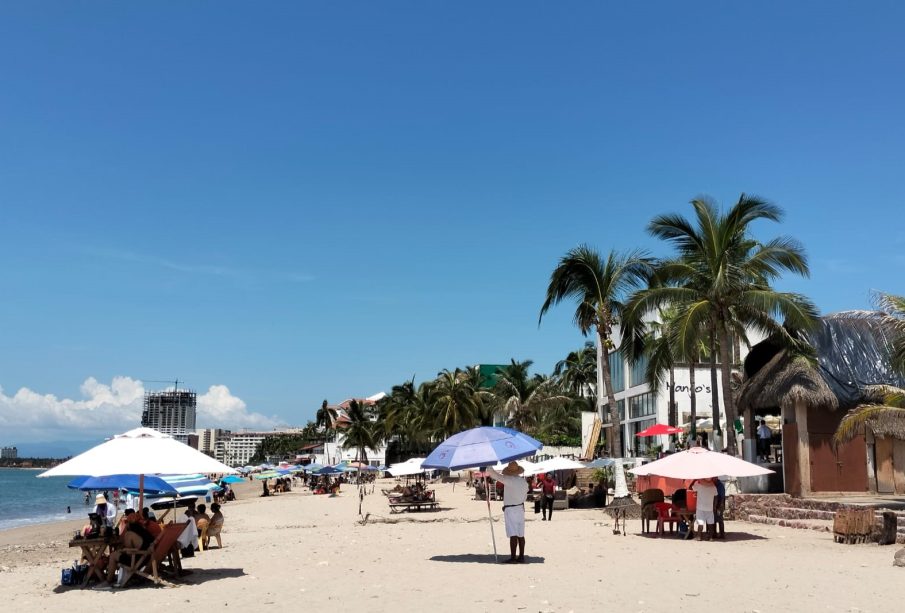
pixel 852 359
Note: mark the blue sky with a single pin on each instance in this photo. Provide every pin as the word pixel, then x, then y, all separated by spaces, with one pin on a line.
pixel 302 201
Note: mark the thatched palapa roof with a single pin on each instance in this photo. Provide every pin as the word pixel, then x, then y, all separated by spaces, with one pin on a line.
pixel 853 364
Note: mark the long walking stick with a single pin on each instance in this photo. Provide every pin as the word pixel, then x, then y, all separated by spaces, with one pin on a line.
pixel 496 557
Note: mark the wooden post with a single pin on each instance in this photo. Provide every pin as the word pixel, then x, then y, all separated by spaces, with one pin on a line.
pixel 888 531
pixel 804 448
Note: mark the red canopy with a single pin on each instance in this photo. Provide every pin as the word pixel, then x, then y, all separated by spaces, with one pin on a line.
pixel 660 429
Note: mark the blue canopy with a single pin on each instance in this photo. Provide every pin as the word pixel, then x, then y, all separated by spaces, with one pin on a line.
pixel 231 479
pixel 484 446
pixel 194 484
pixel 152 484
pixel 329 470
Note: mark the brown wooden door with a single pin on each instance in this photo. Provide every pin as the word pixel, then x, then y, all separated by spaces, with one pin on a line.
pixel 898 464
pixel 842 469
pixel 883 460
pixel 791 474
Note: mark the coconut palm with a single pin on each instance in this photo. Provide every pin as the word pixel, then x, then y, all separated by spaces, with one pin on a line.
pixel 721 280
pixel 525 400
pixel 455 403
pixel 361 433
pixel 577 373
pixel 598 287
pixel 326 420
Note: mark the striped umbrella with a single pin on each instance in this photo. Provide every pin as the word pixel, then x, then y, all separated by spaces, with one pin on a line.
pixel 191 485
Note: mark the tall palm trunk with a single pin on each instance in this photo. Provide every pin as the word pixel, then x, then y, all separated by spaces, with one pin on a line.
pixel 714 394
pixel 671 416
pixel 726 370
pixel 603 373
pixel 694 400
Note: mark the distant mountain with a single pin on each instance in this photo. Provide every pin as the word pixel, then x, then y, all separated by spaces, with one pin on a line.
pixel 54 449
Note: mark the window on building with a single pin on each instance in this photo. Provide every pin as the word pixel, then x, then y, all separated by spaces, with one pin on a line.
pixel 641 405
pixel 641 443
pixel 617 371
pixel 638 372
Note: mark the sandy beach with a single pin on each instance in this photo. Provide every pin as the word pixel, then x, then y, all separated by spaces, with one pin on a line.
pixel 299 550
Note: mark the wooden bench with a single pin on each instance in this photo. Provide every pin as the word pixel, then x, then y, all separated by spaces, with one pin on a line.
pixel 398 507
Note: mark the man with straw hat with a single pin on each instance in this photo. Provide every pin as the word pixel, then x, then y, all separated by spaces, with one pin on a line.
pixel 515 492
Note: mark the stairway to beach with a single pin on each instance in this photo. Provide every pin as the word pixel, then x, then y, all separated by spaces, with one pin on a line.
pixel 804 513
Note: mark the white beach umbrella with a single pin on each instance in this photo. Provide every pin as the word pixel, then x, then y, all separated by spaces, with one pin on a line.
pixel 531 468
pixel 141 451
pixel 558 463
pixel 407 468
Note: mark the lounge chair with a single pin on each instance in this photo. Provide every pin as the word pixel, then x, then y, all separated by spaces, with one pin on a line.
pixel 145 562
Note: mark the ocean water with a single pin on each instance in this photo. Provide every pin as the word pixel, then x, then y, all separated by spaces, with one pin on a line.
pixel 25 499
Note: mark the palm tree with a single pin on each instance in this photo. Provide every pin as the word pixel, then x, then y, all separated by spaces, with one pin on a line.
pixel 326 419
pixel 455 402
pixel 721 279
pixel 524 401
pixel 598 287
pixel 361 432
pixel 577 373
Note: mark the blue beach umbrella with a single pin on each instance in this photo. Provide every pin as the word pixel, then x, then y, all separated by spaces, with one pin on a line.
pixel 484 446
pixel 232 479
pixel 191 485
pixel 152 485
pixel 329 470
pixel 314 466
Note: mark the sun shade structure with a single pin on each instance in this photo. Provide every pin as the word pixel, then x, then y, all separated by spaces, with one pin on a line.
pixel 190 485
pixel 141 451
pixel 659 429
pixel 700 463
pixel 484 446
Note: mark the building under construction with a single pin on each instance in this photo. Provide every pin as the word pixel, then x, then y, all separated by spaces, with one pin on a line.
pixel 171 412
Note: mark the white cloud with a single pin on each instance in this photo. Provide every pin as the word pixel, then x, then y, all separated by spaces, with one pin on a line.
pixel 31 417
pixel 219 408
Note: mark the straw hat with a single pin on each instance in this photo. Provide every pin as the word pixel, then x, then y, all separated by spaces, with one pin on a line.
pixel 512 469
pixel 99 499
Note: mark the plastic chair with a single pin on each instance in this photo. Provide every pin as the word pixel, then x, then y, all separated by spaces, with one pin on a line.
pixel 649 498
pixel 665 516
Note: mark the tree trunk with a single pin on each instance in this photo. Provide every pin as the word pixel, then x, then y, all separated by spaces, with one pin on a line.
pixel 671 416
pixel 726 371
pixel 714 393
pixel 694 403
pixel 603 356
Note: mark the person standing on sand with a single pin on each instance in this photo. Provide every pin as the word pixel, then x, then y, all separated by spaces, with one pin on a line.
pixel 515 492
pixel 548 487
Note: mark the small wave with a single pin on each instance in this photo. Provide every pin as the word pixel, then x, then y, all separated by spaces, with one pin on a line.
pixel 9 524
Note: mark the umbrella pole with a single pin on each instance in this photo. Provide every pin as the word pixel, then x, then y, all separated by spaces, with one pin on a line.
pixel 141 492
pixel 496 557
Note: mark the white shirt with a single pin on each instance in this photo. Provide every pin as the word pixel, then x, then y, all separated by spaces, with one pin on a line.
pixel 515 488
pixel 109 515
pixel 706 493
pixel 764 432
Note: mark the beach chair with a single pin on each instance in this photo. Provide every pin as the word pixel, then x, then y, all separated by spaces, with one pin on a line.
pixel 665 516
pixel 146 562
pixel 212 530
pixel 649 498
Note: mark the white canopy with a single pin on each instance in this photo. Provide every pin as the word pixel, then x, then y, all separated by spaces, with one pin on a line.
pixel 558 463
pixel 141 451
pixel 530 467
pixel 409 467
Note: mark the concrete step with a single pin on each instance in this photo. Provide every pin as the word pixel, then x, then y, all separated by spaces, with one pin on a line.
pixel 798 513
pixel 820 525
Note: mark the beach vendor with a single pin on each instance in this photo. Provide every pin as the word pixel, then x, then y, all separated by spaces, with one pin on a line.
pixel 704 517
pixel 515 492
pixel 104 510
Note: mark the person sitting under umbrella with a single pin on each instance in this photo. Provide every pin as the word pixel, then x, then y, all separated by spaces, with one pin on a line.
pixel 515 492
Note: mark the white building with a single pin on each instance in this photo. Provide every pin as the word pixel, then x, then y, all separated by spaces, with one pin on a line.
pixel 208 439
pixel 170 412
pixel 640 408
pixel 9 453
pixel 239 447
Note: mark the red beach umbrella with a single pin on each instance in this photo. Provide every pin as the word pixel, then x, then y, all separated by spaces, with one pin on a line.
pixel 657 429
